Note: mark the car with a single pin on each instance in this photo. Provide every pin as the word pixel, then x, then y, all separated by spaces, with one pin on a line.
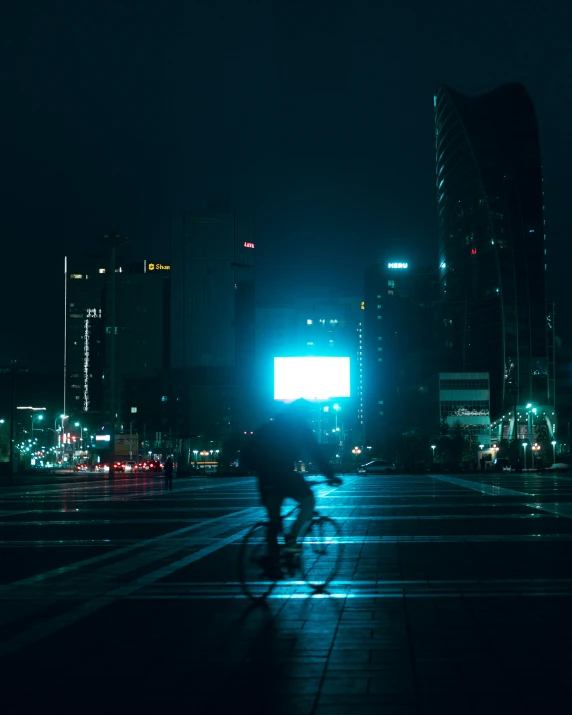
pixel 81 467
pixel 377 466
pixel 501 464
pixel 129 465
pixel 118 467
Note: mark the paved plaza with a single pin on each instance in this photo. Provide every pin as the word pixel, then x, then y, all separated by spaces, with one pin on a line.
pixel 454 596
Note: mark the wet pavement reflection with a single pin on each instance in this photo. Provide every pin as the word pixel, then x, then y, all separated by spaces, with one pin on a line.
pixel 453 596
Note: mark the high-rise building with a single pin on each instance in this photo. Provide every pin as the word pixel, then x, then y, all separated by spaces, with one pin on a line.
pixel 212 260
pixel 142 337
pixel 85 330
pixel 399 353
pixel 312 326
pixel 492 245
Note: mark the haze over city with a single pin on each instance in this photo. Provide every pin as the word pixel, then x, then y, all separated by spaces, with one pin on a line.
pixel 286 357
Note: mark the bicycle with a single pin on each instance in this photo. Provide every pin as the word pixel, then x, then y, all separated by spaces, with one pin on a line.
pixel 316 564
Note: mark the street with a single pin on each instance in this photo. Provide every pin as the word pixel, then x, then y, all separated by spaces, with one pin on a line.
pixel 453 597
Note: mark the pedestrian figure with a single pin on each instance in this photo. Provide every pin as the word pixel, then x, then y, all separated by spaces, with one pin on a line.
pixel 169 474
pixel 483 463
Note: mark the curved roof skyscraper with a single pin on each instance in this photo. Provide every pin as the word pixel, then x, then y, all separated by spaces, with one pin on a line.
pixel 492 242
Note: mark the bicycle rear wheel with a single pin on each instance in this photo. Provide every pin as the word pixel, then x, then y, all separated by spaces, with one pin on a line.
pixel 322 552
pixel 254 580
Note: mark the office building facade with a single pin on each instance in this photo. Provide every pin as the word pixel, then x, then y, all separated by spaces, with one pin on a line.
pixel 492 244
pixel 464 402
pixel 399 352
pixel 142 333
pixel 212 273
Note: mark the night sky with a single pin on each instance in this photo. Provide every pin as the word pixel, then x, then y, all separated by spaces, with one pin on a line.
pixel 316 117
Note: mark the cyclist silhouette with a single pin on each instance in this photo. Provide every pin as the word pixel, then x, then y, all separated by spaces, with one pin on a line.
pixel 272 453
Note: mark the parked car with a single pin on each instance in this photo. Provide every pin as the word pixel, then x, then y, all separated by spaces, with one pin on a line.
pixel 377 466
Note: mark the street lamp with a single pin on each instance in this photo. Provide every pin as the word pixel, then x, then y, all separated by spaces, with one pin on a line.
pixel 195 452
pixel 35 417
pixel 356 450
pixel 433 447
pixel 524 446
pixel 553 451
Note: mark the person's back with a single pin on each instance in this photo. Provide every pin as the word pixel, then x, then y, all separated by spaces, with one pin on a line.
pixel 272 453
pixel 279 444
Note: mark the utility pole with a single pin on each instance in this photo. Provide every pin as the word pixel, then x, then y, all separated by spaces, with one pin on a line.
pixel 13 369
pixel 114 240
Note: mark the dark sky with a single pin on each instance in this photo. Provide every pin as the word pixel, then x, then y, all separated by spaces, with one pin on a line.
pixel 317 117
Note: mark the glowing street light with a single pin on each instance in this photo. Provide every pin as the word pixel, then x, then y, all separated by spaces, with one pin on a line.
pixel 357 451
pixel 433 447
pixel 524 446
pixel 553 451
pixel 195 452
pixel 35 417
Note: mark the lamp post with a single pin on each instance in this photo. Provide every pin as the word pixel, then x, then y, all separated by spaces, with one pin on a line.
pixel 524 446
pixel 35 417
pixel 553 451
pixel 356 451
pixel 433 447
pixel 195 452
pixel 535 451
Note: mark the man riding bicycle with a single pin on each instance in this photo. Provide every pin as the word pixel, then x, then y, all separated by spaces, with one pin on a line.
pixel 272 453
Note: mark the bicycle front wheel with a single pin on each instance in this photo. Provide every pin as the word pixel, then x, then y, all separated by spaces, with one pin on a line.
pixel 322 552
pixel 254 579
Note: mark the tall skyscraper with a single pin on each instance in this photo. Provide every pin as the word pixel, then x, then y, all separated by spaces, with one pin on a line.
pixel 212 259
pixel 399 352
pixel 492 245
pixel 142 323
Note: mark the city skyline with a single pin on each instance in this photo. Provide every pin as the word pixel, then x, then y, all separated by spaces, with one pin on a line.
pixel 327 140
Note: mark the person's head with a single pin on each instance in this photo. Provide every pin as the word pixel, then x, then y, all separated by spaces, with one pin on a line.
pixel 297 411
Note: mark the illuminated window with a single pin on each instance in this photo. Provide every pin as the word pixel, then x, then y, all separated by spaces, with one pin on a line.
pixel 379 307
pixel 309 321
pixel 380 402
pixel 379 350
pixel 379 359
pixel 133 410
pixel 76 275
pixel 164 398
pixel 379 317
pixel 102 270
pixel 379 337
pixel 310 343
pixel 379 296
pixel 391 284
pixel 380 412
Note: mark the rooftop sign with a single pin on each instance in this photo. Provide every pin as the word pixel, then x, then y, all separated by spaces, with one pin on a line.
pixel 397 265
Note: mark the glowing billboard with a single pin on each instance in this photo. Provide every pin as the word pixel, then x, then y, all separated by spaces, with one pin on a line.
pixel 313 378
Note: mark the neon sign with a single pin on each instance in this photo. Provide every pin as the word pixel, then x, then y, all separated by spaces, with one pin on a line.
pixel 158 267
pixel 397 265
pixel 248 244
